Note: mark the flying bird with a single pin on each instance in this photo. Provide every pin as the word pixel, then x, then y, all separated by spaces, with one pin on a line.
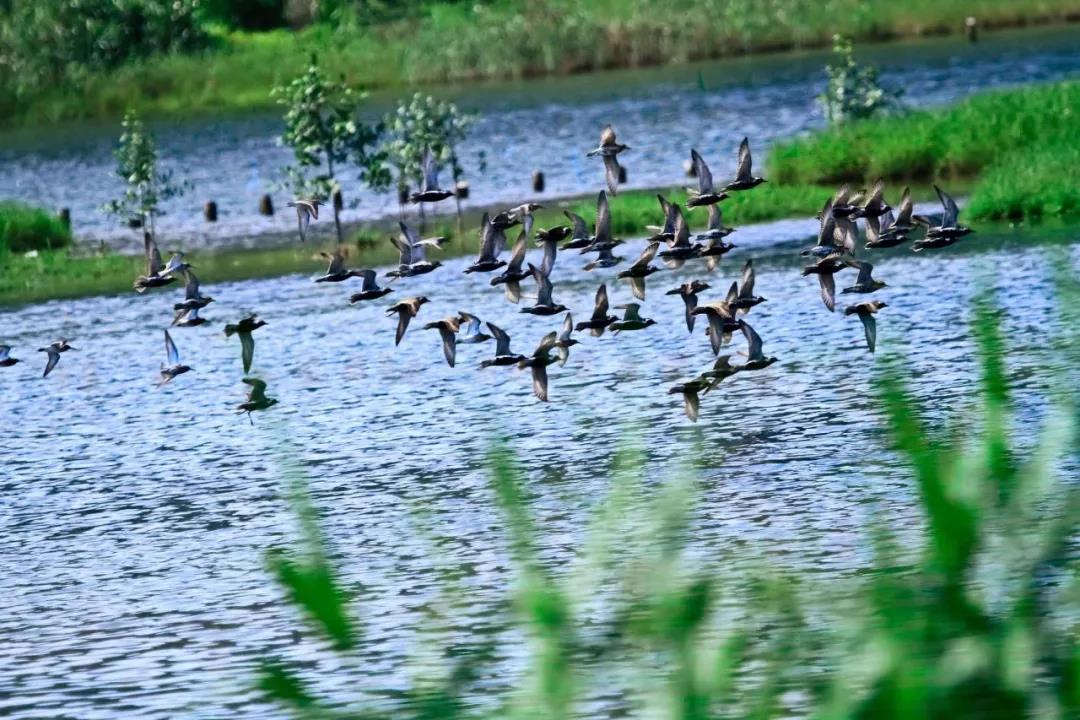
pixel 244 328
pixel 448 329
pixel 631 319
pixel 406 310
pixel 54 350
pixel 745 298
pixel 503 356
pixel 306 211
pixel 512 276
pixel 866 310
pixel 544 304
pixel 173 366
pixel 608 149
pixel 492 242
pixel 539 362
pixel 640 270
pixel 256 398
pixel 688 291
pixel 155 269
pixel 5 356
pixel 705 194
pixel 369 288
pixel 336 270
pixel 429 185
pixel 600 318
pixel 744 176
pixel 948 231
pixel 412 258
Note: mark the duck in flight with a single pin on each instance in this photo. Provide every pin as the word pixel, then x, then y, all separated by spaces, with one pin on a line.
pixel 600 319
pixel 705 194
pixel 5 356
pixel 503 356
pixel 406 310
pixel 173 366
pixel 306 211
pixel 640 270
pixel 866 311
pixel 544 303
pixel 744 176
pixel 688 291
pixel 156 275
pixel 336 270
pixel 608 149
pixel 412 259
pixel 429 184
pixel 54 350
pixel 256 398
pixel 369 288
pixel 492 242
pixel 243 329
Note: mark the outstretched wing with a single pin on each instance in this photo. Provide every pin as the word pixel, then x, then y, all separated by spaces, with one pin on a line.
pixel 869 328
pixel 951 211
pixel 579 228
pixel 247 349
pixel 258 389
pixel 746 285
pixel 753 342
pixel 171 354
pixel 744 171
pixel 611 173
pixel 828 290
pixel 600 310
pixel 704 175
pixel 603 219
pixel 502 340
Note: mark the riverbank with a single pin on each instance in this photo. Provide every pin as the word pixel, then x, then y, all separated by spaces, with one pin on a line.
pixel 455 43
pixel 53 275
pixel 1022 146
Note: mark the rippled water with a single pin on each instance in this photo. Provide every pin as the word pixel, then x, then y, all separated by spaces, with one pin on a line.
pixel 543 125
pixel 135 519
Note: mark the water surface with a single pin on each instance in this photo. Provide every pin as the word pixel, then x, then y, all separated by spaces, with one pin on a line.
pixel 135 520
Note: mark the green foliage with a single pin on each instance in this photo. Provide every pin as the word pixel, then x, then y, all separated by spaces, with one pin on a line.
pixel 980 626
pixel 425 123
pixel 243 14
pixel 378 43
pixel 1023 142
pixel 24 228
pixel 323 128
pixel 48 42
pixel 853 92
pixel 145 185
pixel 1030 184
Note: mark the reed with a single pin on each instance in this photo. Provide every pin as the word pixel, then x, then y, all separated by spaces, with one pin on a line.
pixel 28 229
pixel 978 622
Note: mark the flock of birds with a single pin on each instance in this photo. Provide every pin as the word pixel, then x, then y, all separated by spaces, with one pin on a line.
pixel 834 251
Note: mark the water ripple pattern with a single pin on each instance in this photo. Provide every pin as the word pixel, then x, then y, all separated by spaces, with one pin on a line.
pixel 135 520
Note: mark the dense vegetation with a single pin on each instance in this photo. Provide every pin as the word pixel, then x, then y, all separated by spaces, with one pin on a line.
pixel 1022 143
pixel 167 57
pixel 25 229
pixel 979 622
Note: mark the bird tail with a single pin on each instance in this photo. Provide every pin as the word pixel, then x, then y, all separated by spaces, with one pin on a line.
pixel 231 330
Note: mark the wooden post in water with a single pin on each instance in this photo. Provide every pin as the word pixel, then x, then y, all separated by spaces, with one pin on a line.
pixel 65 217
pixel 538 181
pixel 266 205
pixel 339 201
pixel 622 174
pixel 461 189
pixel 210 211
pixel 971 27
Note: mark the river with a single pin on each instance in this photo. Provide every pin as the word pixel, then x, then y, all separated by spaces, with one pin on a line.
pixel 521 127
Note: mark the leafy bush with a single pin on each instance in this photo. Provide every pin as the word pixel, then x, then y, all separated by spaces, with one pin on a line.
pixel 853 92
pixel 24 228
pixel 979 623
pixel 47 42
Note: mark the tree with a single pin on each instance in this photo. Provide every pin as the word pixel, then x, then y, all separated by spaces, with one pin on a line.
pixel 853 91
pixel 145 186
pixel 323 129
pixel 421 123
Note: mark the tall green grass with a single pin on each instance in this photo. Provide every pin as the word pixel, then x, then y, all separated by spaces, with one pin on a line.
pixel 511 38
pixel 24 228
pixel 1023 143
pixel 978 622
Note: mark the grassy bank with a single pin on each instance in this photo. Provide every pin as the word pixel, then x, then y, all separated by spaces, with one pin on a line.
pixel 974 620
pixel 458 42
pixel 62 274
pixel 1022 145
pixel 25 229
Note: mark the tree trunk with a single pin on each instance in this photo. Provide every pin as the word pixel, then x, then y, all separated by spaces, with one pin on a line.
pixel 333 182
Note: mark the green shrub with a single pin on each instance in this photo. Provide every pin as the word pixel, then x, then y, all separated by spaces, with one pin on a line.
pixel 47 42
pixel 1030 184
pixel 24 228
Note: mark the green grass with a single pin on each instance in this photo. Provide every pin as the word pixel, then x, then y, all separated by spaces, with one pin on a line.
pixel 1022 143
pixel 69 274
pixel 979 622
pixel 501 39
pixel 24 229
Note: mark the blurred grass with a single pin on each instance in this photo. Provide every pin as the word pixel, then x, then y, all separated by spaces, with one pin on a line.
pixel 978 623
pixel 1023 143
pixel 25 229
pixel 509 38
